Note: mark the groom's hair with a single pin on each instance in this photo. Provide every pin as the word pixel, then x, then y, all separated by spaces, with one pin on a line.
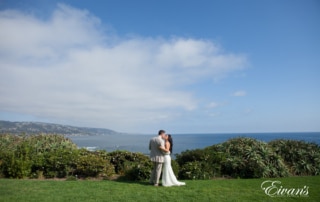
pixel 161 132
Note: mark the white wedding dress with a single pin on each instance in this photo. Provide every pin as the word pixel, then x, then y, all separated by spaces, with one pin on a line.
pixel 168 177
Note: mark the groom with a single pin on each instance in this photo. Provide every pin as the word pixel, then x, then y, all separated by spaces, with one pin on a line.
pixel 156 147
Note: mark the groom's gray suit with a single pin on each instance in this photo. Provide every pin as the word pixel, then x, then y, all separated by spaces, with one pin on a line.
pixel 156 157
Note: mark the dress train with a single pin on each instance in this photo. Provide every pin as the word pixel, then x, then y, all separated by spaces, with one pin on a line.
pixel 168 177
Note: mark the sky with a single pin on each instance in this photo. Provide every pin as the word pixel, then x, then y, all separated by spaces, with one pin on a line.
pixel 209 66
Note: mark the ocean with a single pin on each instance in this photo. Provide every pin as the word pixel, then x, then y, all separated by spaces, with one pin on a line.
pixel 181 142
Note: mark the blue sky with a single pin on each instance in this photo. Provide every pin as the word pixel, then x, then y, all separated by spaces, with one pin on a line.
pixel 184 66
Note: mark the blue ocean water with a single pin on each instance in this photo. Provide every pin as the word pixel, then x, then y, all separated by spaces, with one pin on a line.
pixel 181 142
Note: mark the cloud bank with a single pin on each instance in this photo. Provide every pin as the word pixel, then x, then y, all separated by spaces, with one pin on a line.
pixel 239 93
pixel 67 67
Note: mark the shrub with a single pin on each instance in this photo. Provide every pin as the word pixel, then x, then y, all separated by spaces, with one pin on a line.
pixel 237 157
pixel 175 167
pixel 15 156
pixel 93 164
pixel 71 178
pixel 49 156
pixel 194 170
pixel 138 171
pixel 250 158
pixel 130 165
pixel 200 163
pixel 301 157
pixel 54 155
pixel 36 155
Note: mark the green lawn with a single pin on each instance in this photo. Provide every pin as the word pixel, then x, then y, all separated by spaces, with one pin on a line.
pixel 199 190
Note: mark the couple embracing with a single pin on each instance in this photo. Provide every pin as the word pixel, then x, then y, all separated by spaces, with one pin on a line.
pixel 160 149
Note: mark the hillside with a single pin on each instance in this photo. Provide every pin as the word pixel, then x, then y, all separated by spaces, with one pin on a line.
pixel 49 128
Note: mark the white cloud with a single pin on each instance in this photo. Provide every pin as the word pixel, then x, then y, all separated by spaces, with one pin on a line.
pixel 239 93
pixel 67 68
pixel 216 114
pixel 213 105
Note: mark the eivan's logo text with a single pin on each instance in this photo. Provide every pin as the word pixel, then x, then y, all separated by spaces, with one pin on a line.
pixel 275 189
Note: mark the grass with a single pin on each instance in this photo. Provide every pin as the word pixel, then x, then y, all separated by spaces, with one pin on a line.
pixel 198 190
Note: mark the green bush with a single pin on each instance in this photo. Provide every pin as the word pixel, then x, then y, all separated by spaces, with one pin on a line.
pixel 138 171
pixel 250 158
pixel 16 167
pixel 194 170
pixel 130 165
pixel 93 164
pixel 175 167
pixel 72 178
pixel 200 163
pixel 190 156
pixel 36 156
pixel 301 157
pixel 54 155
pixel 50 156
pixel 237 157
pixel 15 157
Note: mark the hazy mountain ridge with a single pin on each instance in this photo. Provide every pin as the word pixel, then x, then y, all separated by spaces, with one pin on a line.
pixel 50 128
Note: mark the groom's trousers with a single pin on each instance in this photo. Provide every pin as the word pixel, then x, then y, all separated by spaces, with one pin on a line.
pixel 156 172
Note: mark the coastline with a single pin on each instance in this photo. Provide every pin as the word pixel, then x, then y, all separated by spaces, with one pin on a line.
pixel 181 142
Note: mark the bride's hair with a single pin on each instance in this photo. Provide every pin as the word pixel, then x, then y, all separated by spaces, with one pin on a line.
pixel 171 143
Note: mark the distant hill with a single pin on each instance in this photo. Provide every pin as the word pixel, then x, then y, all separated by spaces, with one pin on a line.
pixel 50 128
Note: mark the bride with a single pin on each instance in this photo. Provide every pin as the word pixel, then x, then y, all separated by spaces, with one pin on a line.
pixel 168 177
